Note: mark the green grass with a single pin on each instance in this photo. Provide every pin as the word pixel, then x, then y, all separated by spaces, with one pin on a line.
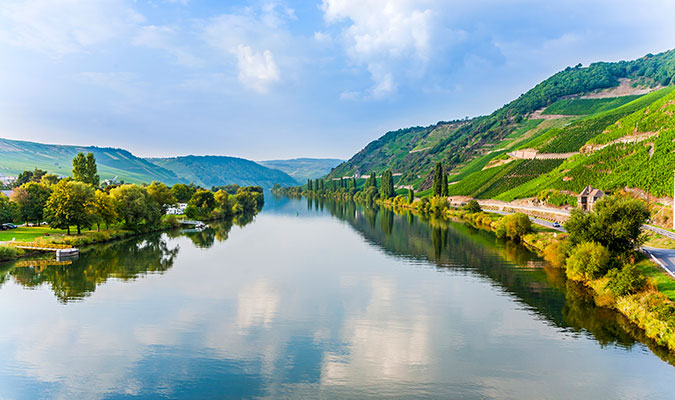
pixel 587 106
pixel 28 234
pixel 664 282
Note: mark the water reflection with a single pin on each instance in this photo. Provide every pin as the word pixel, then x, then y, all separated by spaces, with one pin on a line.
pixel 365 304
pixel 543 289
pixel 125 260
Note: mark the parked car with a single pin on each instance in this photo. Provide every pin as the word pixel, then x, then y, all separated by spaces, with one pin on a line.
pixel 556 225
pixel 9 226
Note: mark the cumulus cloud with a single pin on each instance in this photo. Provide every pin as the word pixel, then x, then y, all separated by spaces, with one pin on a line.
pixel 254 39
pixel 60 27
pixel 256 69
pixel 379 33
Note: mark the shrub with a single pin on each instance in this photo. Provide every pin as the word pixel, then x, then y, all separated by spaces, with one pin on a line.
pixel 472 207
pixel 7 253
pixel 557 252
pixel 439 205
pixel 587 260
pixel 514 226
pixel 628 280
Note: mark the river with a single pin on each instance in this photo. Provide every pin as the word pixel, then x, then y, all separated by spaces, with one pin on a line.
pixel 316 300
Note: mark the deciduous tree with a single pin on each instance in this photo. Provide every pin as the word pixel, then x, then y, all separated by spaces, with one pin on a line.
pixel 70 204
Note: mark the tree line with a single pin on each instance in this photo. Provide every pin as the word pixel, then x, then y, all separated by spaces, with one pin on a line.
pixel 372 189
pixel 79 201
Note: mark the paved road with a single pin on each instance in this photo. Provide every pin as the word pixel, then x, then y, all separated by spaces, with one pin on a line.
pixel 664 257
pixel 538 221
pixel 660 231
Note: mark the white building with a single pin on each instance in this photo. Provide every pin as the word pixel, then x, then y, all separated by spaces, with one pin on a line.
pixel 177 209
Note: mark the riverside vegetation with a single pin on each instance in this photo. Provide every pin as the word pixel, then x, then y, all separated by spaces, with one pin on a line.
pixel 79 203
pixel 600 250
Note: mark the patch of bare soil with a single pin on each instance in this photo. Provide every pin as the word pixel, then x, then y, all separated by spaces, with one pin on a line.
pixel 625 88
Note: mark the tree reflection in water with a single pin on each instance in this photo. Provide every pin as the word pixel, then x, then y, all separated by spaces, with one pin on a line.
pixel 543 289
pixel 125 260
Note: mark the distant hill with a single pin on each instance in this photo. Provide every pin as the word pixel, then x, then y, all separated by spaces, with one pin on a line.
pixel 302 169
pixel 208 171
pixel 17 156
pixel 467 146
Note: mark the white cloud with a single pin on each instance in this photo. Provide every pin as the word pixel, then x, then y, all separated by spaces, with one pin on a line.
pixel 253 38
pixel 380 33
pixel 59 27
pixel 256 69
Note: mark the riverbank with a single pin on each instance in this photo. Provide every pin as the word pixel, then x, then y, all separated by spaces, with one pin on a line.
pixel 92 237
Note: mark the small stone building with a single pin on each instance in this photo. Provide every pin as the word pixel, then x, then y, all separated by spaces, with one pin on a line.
pixel 587 198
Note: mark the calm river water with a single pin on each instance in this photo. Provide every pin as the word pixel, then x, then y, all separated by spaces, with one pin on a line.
pixel 316 300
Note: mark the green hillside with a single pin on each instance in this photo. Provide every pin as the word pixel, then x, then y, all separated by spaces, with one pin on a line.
pixel 17 156
pixel 639 152
pixel 208 171
pixel 458 144
pixel 607 168
pixel 302 169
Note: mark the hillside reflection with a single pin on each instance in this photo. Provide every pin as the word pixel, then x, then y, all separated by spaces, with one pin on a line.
pixel 457 246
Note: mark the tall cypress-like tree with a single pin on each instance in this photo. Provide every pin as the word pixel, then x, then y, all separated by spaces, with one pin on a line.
pixel 411 196
pixel 309 185
pixel 387 184
pixel 444 189
pixel 92 170
pixel 438 179
pixel 373 180
pixel 354 183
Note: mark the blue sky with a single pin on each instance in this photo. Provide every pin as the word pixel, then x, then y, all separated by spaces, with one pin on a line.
pixel 283 79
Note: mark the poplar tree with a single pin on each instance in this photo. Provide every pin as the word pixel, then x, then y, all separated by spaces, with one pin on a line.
pixel 411 196
pixel 438 179
pixel 372 180
pixel 387 184
pixel 444 189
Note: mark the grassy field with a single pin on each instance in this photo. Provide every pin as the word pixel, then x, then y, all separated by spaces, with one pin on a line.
pixel 28 234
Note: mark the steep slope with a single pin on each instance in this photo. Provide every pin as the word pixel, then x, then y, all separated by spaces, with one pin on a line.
pixel 457 144
pixel 17 156
pixel 509 177
pixel 208 171
pixel 302 169
pixel 637 151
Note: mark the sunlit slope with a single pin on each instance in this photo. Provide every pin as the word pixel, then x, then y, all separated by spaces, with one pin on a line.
pixel 637 151
pixel 509 177
pixel 17 156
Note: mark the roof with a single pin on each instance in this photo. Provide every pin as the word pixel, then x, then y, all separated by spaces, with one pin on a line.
pixel 590 191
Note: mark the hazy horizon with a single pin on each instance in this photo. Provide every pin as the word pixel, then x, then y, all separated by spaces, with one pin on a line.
pixel 271 80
